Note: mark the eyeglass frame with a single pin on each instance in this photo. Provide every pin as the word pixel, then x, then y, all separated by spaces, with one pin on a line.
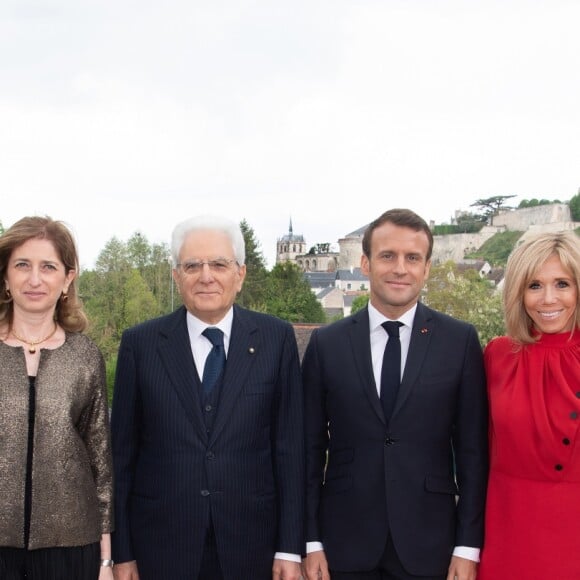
pixel 214 265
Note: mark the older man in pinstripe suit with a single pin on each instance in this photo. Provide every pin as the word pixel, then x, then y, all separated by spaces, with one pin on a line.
pixel 209 471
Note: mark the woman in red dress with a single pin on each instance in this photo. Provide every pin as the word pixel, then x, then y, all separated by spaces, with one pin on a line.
pixel 533 504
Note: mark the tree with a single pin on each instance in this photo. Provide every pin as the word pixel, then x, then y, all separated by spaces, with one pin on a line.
pixel 323 248
pixel 492 205
pixel 574 204
pixel 140 303
pixel 534 202
pixel 254 289
pixel 359 302
pixel 466 297
pixel 289 296
pixel 139 251
pixel 469 222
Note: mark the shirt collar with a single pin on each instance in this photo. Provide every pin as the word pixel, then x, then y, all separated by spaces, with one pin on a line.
pixel 195 326
pixel 376 319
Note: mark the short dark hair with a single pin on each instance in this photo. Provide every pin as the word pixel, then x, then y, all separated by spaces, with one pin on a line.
pixel 400 217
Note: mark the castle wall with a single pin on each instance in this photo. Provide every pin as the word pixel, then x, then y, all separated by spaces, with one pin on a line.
pixel 553 227
pixel 522 219
pixel 455 246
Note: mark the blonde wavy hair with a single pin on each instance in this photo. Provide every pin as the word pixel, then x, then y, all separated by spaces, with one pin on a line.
pixel 523 264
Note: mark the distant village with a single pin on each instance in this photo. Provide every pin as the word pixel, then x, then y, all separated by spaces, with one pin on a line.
pixel 333 269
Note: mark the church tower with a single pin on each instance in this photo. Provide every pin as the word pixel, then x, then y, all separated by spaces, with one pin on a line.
pixel 289 246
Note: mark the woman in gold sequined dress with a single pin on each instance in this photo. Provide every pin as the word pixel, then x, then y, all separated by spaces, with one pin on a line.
pixel 55 459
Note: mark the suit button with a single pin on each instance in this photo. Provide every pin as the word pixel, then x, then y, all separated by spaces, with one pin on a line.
pixel 204 492
pixel 573 415
pixel 210 455
pixel 389 441
pixel 208 408
pixel 578 394
pixel 558 467
pixel 566 441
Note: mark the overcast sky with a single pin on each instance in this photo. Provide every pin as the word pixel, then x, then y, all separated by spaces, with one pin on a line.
pixel 119 116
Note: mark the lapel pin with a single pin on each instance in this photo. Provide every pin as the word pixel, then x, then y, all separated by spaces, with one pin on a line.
pixel 424 331
pixel 252 350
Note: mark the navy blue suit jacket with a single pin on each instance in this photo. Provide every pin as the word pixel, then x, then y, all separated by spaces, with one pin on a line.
pixel 399 479
pixel 169 473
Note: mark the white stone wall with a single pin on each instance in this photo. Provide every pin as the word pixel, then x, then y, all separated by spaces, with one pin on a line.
pixel 455 246
pixel 522 219
pixel 553 227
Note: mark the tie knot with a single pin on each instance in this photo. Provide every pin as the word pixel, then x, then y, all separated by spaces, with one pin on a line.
pixel 214 335
pixel 392 328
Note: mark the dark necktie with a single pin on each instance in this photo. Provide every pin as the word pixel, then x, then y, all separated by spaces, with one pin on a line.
pixel 216 359
pixel 391 370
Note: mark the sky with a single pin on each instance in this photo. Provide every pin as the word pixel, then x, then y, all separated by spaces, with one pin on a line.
pixel 125 116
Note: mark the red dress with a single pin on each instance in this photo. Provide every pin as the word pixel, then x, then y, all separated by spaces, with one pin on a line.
pixel 533 501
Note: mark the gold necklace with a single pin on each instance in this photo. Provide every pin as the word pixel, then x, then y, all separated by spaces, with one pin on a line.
pixel 32 343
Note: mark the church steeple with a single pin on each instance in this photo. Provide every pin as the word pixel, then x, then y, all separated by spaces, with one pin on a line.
pixel 289 245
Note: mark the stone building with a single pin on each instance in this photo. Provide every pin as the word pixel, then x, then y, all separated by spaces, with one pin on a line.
pixel 289 246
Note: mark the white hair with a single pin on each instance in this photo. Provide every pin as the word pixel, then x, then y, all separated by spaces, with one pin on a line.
pixel 208 222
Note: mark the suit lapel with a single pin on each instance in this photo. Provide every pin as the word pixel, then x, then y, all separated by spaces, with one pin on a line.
pixel 244 343
pixel 176 355
pixel 359 335
pixel 418 347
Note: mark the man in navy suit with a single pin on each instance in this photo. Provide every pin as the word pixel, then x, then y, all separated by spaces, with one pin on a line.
pixel 209 470
pixel 395 490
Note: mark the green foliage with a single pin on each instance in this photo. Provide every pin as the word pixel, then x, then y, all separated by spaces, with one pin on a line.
pixel 469 222
pixel 574 204
pixel 323 248
pixel 459 228
pixel 491 206
pixel 445 229
pixel 359 303
pixel 110 368
pixel 536 202
pixel 138 251
pixel 466 296
pixel 1 228
pixel 140 304
pixel 131 283
pixel 497 248
pixel 254 289
pixel 289 297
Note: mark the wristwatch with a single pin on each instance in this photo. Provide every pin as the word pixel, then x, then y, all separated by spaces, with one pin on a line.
pixel 107 563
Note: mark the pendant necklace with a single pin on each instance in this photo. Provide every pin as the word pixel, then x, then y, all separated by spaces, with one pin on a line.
pixel 32 343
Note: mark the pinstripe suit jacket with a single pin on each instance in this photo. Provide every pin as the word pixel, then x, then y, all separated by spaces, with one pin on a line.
pixel 170 474
pixel 399 478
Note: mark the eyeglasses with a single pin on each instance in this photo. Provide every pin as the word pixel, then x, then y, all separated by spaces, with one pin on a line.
pixel 217 266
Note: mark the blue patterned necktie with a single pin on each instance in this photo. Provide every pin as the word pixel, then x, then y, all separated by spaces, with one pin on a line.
pixel 216 359
pixel 391 369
